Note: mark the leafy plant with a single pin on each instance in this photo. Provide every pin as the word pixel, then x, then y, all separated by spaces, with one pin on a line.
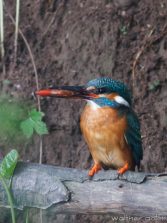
pixel 19 121
pixel 7 168
pixel 34 123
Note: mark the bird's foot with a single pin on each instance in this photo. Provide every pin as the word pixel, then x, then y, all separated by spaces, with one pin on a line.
pixel 96 167
pixel 123 169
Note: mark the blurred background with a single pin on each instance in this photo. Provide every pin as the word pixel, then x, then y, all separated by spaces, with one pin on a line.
pixel 72 42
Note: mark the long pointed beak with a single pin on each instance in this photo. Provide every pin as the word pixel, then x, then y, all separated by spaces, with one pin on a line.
pixel 67 92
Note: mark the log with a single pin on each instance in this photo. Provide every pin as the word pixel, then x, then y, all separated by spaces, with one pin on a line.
pixel 68 190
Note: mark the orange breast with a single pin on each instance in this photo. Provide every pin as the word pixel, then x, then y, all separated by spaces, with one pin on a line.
pixel 104 132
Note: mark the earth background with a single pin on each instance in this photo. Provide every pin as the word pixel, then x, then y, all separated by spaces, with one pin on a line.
pixel 74 41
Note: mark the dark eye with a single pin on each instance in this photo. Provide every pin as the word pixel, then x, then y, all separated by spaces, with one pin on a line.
pixel 101 90
pixel 96 90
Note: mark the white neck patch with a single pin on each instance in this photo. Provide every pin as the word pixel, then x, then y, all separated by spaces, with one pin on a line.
pixel 121 101
pixel 93 104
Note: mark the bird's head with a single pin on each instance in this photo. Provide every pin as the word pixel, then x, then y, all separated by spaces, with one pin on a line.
pixel 100 91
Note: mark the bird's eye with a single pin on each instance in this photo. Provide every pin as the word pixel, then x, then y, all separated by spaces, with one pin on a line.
pixel 96 90
pixel 101 90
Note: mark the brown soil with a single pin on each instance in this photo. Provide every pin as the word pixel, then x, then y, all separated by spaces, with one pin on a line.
pixel 75 41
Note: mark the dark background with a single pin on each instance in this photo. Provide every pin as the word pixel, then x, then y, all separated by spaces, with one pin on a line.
pixel 74 41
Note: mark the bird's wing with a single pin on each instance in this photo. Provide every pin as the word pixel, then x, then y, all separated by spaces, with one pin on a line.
pixel 133 136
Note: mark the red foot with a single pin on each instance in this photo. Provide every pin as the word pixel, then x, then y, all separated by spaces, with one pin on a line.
pixel 96 167
pixel 123 169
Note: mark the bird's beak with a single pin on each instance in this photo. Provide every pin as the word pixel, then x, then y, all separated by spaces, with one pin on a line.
pixel 67 92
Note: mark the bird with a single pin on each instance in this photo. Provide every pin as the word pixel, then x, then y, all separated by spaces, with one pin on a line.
pixel 108 123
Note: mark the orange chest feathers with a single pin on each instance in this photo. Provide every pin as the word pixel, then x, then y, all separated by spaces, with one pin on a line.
pixel 104 132
pixel 105 121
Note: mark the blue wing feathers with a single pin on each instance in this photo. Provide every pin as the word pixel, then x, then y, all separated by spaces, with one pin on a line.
pixel 132 133
pixel 133 136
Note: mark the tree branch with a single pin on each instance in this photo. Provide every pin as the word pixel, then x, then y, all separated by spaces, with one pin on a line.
pixel 67 190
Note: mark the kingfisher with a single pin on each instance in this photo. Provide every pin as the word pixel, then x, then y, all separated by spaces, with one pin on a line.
pixel 108 123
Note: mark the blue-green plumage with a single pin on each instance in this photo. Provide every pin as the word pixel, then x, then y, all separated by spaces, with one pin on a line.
pixel 111 85
pixel 104 102
pixel 132 134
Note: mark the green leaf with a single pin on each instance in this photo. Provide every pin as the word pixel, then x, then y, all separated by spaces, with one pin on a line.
pixel 36 115
pixel 34 123
pixel 27 127
pixel 40 128
pixel 9 163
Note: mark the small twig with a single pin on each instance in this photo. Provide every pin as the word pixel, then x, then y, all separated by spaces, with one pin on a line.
pixel 31 56
pixel 40 215
pixel 16 29
pixel 36 78
pixel 40 149
pixel 52 19
pixel 2 37
pixel 10 199
pixel 26 215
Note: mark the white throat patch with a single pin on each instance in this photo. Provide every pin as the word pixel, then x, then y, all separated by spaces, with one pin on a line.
pixel 93 105
pixel 121 101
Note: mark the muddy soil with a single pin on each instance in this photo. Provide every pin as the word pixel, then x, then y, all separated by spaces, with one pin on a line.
pixel 74 41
